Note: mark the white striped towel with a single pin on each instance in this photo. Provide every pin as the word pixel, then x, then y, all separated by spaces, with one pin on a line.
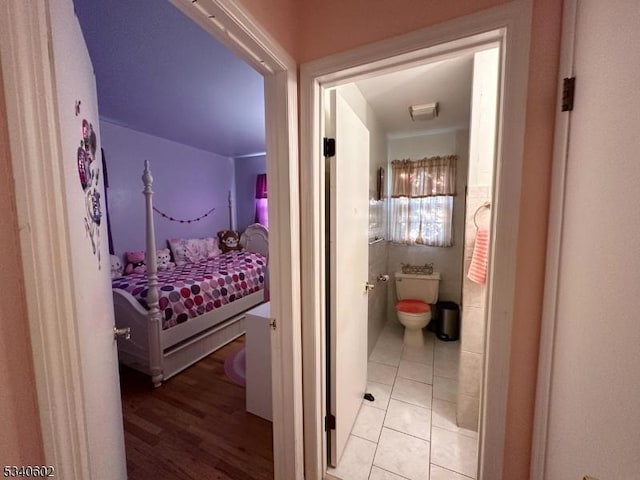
pixel 478 268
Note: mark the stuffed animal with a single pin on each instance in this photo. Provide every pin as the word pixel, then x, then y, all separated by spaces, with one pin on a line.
pixel 116 267
pixel 164 260
pixel 229 241
pixel 135 263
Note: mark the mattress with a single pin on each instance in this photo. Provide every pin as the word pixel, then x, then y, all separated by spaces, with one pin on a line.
pixel 191 290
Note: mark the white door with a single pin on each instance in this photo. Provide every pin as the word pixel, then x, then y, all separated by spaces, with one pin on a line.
pixel 349 264
pixel 594 421
pixel 87 235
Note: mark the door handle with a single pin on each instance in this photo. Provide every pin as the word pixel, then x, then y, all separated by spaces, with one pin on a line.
pixel 122 333
pixel 368 287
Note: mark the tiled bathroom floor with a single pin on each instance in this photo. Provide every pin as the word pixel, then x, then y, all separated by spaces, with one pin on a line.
pixel 410 431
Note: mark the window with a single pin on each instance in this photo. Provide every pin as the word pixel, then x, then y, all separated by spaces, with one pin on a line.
pixel 422 201
pixel 262 210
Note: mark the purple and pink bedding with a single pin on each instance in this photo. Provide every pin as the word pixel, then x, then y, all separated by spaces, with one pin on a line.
pixel 193 289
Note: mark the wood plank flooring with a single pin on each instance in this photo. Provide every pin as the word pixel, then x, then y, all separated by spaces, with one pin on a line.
pixel 194 426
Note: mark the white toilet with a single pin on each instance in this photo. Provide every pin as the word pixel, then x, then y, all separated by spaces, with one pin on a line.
pixel 416 294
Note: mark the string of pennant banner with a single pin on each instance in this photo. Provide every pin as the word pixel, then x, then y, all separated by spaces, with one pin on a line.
pixel 193 220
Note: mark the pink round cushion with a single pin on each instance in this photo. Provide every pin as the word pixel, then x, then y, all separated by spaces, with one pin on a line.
pixel 412 306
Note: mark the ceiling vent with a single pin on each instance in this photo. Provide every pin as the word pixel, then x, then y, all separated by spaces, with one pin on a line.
pixel 425 111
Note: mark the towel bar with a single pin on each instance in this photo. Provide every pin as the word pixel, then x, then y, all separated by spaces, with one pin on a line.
pixel 475 215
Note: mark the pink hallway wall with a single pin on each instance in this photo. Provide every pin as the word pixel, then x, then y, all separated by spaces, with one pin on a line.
pixel 21 439
pixel 325 27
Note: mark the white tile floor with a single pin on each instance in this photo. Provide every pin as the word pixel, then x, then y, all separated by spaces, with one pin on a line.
pixel 409 431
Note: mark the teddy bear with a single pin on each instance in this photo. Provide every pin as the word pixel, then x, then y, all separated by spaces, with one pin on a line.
pixel 229 241
pixel 135 263
pixel 116 267
pixel 164 260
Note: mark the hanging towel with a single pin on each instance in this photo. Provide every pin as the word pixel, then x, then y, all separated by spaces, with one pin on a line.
pixel 478 268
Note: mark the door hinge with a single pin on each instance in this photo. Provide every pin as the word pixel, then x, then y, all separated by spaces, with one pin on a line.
pixel 568 92
pixel 272 323
pixel 329 147
pixel 329 423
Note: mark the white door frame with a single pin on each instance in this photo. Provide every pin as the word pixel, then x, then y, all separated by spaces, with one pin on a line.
pixel 508 25
pixel 554 248
pixel 34 132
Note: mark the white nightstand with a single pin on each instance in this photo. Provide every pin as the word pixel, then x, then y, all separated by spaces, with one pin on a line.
pixel 258 358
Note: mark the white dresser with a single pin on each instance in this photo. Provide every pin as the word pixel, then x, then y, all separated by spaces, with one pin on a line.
pixel 258 358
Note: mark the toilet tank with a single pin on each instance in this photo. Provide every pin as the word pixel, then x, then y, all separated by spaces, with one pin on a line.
pixel 410 286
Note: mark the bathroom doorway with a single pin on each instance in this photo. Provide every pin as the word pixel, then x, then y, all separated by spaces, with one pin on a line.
pixel 319 77
pixel 423 413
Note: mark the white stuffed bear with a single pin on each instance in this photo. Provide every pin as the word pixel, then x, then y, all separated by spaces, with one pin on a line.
pixel 164 260
pixel 116 267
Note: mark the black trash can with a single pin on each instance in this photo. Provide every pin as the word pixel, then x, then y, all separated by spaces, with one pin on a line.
pixel 448 321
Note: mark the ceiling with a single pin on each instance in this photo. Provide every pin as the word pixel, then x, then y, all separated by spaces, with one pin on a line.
pixel 159 73
pixel 447 82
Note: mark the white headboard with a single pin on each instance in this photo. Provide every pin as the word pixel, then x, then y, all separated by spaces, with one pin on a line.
pixel 256 239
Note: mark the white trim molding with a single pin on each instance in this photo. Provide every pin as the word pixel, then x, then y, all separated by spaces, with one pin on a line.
pixel 37 164
pixel 554 249
pixel 38 175
pixel 508 26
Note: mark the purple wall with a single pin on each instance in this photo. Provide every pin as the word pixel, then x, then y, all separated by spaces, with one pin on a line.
pixel 187 183
pixel 246 171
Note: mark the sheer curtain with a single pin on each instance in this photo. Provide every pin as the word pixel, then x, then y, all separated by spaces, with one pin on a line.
pixel 262 211
pixel 422 194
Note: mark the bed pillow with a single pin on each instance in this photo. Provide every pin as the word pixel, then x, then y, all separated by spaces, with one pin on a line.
pixel 211 247
pixel 188 250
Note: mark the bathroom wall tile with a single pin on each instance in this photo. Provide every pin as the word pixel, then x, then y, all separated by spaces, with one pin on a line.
pixel 381 373
pixel 473 294
pixel 439 473
pixel 377 219
pixel 416 371
pixel 444 416
pixel 470 376
pixel 403 454
pixel 446 359
pixel 473 328
pixel 445 260
pixel 368 423
pixel 409 391
pixel 469 233
pixel 380 474
pixel 454 451
pixel 468 412
pixel 356 460
pixel 410 419
pixel 377 299
pixel 468 253
pixel 381 393
pixel 394 329
pixel 445 388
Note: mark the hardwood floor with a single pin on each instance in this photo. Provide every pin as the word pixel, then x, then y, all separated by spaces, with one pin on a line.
pixel 194 426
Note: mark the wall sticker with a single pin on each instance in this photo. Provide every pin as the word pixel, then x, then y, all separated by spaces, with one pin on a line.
pixel 89 173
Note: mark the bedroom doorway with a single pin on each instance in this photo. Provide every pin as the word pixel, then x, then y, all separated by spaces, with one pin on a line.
pixel 391 56
pixel 58 363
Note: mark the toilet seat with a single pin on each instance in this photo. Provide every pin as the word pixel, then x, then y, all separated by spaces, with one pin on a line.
pixel 413 306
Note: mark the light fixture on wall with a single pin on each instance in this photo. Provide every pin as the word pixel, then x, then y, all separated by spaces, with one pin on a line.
pixel 426 111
